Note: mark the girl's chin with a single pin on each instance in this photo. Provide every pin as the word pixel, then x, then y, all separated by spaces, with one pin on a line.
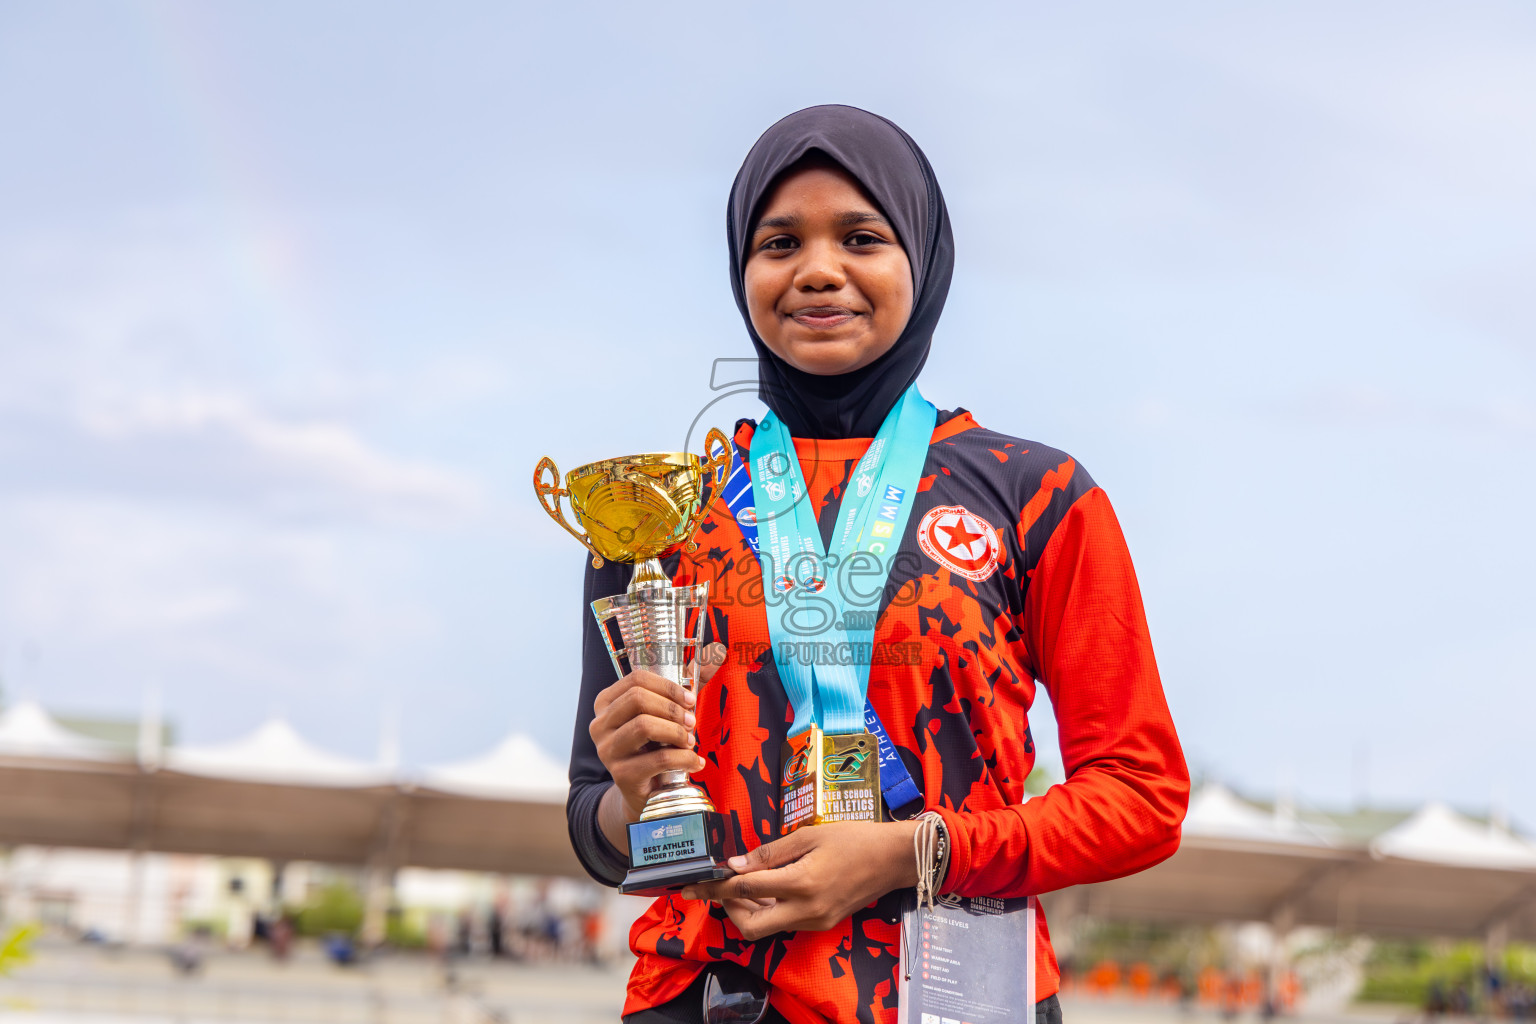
pixel 824 365
pixel 828 357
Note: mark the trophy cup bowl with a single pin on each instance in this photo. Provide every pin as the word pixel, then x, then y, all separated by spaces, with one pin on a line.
pixel 634 509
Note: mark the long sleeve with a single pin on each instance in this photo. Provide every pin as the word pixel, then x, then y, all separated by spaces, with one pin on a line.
pixel 589 779
pixel 1127 785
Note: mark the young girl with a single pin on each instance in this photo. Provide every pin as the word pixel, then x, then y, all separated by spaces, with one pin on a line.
pixel 993 563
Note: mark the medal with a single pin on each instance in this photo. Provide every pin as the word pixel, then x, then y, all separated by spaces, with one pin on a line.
pixel 821 626
pixel 830 777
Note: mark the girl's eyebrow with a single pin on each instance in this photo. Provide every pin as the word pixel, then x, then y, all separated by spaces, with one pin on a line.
pixel 853 217
pixel 790 221
pixel 787 220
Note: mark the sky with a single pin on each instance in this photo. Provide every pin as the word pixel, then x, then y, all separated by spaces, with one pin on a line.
pixel 293 296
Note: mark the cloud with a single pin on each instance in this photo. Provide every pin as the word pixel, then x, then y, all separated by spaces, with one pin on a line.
pixel 116 592
pixel 135 370
pixel 217 447
pixel 218 444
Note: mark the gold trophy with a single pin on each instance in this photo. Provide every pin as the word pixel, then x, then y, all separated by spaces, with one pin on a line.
pixel 635 509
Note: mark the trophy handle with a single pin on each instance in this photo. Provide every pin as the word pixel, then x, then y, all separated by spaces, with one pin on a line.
pixel 717 462
pixel 606 610
pixel 550 492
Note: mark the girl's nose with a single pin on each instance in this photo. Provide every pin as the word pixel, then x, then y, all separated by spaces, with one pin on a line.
pixel 820 270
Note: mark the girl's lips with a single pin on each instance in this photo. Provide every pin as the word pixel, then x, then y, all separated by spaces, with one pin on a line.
pixel 822 317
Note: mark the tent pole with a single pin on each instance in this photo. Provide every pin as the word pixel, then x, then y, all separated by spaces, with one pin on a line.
pixel 134 905
pixel 379 871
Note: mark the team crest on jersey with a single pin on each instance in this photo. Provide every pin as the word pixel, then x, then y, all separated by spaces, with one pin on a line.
pixel 960 540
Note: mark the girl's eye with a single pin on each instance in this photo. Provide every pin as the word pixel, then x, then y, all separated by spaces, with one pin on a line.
pixel 861 238
pixel 778 243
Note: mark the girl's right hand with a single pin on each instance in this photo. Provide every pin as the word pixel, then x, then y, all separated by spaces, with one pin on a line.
pixel 643 725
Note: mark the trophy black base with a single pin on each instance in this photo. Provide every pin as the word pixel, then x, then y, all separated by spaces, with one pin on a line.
pixel 667 854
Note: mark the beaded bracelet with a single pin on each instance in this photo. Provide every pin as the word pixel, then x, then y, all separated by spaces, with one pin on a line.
pixel 931 844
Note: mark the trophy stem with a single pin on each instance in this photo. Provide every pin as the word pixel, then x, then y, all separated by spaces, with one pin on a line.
pixel 653 619
pixel 676 795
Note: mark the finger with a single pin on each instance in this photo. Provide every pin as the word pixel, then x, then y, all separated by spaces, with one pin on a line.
pixel 637 778
pixel 695 892
pixel 646 681
pixel 660 684
pixel 777 884
pixel 755 919
pixel 608 695
pixel 700 891
pixel 636 735
pixel 744 908
pixel 651 763
pixel 639 701
pixel 642 736
pixel 775 854
pixel 709 891
pixel 762 904
pixel 710 660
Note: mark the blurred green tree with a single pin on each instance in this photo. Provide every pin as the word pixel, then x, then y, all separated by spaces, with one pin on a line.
pixel 1039 780
pixel 336 908
pixel 1402 971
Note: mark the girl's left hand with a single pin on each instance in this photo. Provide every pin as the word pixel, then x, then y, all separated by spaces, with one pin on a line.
pixel 814 877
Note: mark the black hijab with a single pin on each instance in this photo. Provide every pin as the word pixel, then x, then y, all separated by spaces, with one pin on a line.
pixel 895 173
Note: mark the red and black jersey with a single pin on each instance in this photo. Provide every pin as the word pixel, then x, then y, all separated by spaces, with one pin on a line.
pixel 1012 571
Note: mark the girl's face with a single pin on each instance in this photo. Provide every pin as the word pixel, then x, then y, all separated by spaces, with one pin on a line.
pixel 828 285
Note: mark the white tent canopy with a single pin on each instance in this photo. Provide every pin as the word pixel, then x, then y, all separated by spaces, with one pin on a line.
pixel 516 769
pixel 1215 812
pixel 275 753
pixel 272 794
pixel 26 730
pixel 1434 872
pixel 1438 835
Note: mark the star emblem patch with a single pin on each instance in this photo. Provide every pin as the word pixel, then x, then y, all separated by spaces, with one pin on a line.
pixel 960 540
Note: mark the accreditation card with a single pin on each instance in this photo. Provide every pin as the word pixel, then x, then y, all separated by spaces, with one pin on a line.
pixel 968 960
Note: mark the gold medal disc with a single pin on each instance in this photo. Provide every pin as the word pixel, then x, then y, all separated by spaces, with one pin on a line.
pixel 830 777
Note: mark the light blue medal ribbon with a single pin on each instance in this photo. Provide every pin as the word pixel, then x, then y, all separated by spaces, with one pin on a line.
pixel 896 783
pixel 823 653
